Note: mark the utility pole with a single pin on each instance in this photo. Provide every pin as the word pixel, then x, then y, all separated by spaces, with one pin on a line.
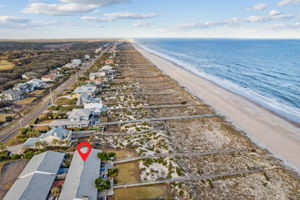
pixel 20 123
pixel 76 75
pixel 51 96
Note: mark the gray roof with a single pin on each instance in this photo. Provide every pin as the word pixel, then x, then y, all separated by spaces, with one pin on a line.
pixel 81 177
pixel 86 98
pixel 37 178
pixel 79 113
pixel 57 132
pixel 66 122
pixel 85 89
pixel 30 142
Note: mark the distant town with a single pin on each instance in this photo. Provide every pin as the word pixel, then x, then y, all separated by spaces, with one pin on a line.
pixel 151 139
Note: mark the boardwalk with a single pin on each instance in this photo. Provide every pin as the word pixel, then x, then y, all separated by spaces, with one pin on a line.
pixel 189 179
pixel 180 154
pixel 155 106
pixel 158 119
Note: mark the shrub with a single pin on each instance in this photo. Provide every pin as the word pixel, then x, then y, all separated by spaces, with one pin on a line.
pixel 4 155
pixel 102 184
pixel 8 118
pixel 15 156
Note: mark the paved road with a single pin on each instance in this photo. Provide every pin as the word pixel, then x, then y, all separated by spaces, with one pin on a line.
pixel 6 134
pixel 180 154
pixel 189 179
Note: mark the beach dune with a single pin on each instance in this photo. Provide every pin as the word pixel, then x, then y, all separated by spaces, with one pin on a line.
pixel 265 128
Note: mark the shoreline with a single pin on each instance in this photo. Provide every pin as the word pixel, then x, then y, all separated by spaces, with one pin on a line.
pixel 264 127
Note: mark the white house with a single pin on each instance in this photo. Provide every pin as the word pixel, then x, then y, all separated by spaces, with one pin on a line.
pixel 95 75
pixel 87 57
pixel 86 98
pixel 37 83
pixel 29 75
pixel 91 90
pixel 76 62
pixel 11 95
pixel 77 115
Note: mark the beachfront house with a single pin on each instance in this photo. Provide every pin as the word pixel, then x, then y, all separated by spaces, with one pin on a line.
pixel 77 118
pixel 91 90
pixel 11 95
pixel 56 136
pixel 37 178
pixel 99 82
pixel 86 98
pixel 80 180
pixel 98 74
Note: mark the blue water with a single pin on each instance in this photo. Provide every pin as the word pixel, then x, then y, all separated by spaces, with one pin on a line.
pixel 264 71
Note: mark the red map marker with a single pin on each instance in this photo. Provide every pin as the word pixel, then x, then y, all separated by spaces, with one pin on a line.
pixel 84 155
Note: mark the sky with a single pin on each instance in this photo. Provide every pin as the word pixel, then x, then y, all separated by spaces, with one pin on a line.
pixel 37 19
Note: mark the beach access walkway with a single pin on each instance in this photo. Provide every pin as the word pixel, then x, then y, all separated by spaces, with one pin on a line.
pixel 179 154
pixel 189 179
pixel 158 119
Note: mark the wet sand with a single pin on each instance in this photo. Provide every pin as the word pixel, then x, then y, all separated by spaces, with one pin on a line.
pixel 268 130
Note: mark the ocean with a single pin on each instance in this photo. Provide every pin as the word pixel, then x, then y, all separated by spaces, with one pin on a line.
pixel 266 72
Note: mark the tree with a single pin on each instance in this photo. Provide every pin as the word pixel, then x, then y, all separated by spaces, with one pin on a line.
pixel 55 192
pixel 8 118
pixel 102 184
pixel 38 144
pixel 55 142
pixel 2 146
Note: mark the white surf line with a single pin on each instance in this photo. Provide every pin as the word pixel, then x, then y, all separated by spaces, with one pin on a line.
pixel 36 172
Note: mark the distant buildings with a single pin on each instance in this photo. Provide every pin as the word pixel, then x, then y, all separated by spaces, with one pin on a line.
pixel 29 75
pixel 80 180
pixel 49 78
pixel 76 62
pixel 11 95
pixel 109 61
pixel 87 57
pixel 36 179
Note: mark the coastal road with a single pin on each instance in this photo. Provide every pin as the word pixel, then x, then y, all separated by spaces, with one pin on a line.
pixel 7 133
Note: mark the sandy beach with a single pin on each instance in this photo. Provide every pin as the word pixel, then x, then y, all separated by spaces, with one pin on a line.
pixel 264 128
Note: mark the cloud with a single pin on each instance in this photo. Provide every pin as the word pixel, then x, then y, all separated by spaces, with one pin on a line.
pixel 142 24
pixel 97 19
pixel 119 15
pixel 288 2
pixel 295 25
pixel 58 9
pixel 100 3
pixel 128 15
pixel 21 22
pixel 2 6
pixel 236 22
pixel 260 6
pixel 69 7
pixel 274 13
